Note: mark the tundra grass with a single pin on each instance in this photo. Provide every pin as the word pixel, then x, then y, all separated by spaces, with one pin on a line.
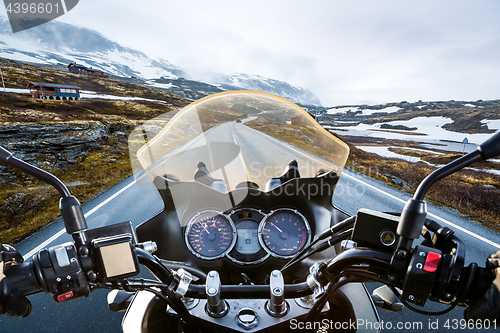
pixel 472 192
pixel 28 205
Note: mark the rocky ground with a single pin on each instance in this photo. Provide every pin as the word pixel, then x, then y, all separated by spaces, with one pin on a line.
pixel 84 143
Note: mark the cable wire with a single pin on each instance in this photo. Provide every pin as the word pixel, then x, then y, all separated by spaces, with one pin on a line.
pixel 427 313
pixel 323 246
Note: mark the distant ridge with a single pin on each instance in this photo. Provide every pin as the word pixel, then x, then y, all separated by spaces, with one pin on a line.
pixel 58 44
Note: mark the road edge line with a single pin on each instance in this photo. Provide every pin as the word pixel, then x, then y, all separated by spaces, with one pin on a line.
pixel 431 214
pixel 62 231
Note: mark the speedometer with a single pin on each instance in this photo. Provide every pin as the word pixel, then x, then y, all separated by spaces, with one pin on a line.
pixel 210 235
pixel 284 232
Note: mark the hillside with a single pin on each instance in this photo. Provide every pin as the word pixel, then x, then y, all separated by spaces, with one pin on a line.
pixel 402 143
pixel 84 143
pixel 466 116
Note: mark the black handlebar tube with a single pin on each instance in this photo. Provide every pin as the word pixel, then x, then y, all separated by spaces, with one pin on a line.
pixel 165 275
pixel 154 265
pixel 359 256
pixel 250 291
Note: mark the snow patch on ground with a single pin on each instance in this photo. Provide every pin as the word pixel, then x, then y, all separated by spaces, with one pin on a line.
pixel 430 126
pixel 385 152
pixel 17 91
pixel 492 124
pixel 93 94
pixel 390 109
pixel 161 85
pixel 364 112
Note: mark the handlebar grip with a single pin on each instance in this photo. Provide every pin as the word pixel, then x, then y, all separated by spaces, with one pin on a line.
pixel 23 278
pixel 481 282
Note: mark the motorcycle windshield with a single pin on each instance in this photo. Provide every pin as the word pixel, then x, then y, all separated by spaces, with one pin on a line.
pixel 241 137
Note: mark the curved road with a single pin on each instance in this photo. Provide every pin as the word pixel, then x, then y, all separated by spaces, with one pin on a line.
pixel 128 201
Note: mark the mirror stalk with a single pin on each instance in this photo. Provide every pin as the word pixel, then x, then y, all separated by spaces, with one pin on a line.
pixel 414 213
pixel 447 170
pixel 71 210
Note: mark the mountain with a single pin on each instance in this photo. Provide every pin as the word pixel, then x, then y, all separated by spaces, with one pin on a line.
pixel 256 82
pixel 58 44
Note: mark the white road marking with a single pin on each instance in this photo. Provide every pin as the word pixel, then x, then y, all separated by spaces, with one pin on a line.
pixel 64 6
pixel 430 214
pixel 61 232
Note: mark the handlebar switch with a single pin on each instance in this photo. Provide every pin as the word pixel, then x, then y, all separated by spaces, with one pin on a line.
pixel 216 307
pixel 60 272
pixel 421 275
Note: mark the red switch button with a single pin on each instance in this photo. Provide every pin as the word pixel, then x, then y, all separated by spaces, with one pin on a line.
pixel 432 262
pixel 65 296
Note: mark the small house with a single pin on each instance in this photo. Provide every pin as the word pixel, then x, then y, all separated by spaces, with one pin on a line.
pixel 54 91
pixel 80 69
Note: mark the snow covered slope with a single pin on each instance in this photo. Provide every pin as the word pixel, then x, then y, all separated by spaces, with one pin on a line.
pixel 57 43
pixel 256 82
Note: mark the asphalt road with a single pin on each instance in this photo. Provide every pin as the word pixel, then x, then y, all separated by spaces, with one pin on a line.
pixel 128 201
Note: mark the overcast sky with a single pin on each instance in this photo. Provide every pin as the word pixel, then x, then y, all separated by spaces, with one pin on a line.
pixel 345 52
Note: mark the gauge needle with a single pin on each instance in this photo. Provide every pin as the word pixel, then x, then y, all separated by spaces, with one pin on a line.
pixel 276 227
pixel 205 227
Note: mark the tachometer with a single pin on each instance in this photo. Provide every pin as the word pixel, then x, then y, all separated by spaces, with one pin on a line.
pixel 210 235
pixel 284 232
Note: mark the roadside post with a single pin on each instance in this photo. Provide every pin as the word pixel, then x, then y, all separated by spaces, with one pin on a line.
pixel 465 141
pixel 3 83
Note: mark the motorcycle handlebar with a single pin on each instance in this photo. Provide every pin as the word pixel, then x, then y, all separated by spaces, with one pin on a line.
pixel 28 278
pixel 35 276
pixel 250 291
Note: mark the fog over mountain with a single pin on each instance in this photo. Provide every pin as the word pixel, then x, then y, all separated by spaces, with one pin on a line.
pixel 57 43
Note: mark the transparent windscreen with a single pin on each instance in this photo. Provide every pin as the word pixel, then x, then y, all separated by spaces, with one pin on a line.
pixel 240 136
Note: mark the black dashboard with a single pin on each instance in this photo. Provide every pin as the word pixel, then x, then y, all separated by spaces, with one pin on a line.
pixel 247 235
pixel 199 228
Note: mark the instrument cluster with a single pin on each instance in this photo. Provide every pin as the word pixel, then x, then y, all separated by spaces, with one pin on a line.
pixel 247 236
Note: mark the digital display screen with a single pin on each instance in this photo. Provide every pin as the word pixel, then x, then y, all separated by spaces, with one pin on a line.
pixel 247 242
